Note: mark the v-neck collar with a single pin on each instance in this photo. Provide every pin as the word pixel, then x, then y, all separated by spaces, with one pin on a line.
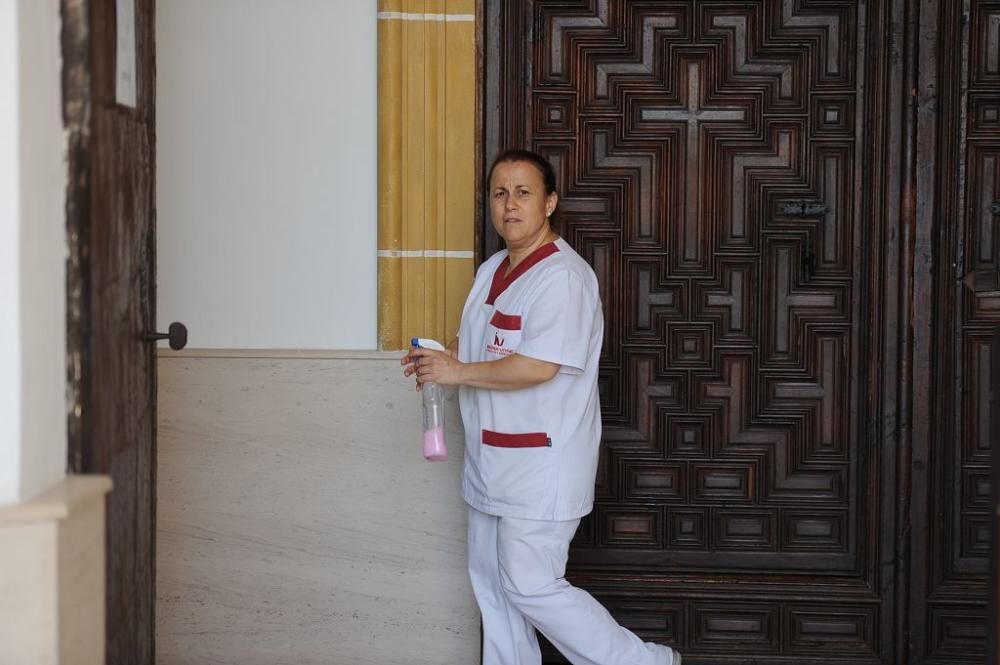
pixel 501 280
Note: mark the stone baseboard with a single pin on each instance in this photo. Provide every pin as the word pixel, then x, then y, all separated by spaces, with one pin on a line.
pixel 52 575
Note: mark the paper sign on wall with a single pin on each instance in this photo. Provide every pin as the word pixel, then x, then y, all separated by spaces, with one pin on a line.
pixel 125 65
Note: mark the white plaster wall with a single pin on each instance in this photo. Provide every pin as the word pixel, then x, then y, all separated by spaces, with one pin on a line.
pixel 266 172
pixel 32 251
pixel 43 247
pixel 10 335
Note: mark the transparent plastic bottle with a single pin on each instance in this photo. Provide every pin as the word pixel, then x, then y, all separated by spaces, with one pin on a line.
pixel 435 449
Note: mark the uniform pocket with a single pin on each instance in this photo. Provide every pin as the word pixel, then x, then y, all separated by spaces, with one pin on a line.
pixel 526 440
pixel 503 335
pixel 518 468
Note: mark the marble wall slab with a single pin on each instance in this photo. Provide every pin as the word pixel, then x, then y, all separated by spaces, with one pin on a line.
pixel 297 521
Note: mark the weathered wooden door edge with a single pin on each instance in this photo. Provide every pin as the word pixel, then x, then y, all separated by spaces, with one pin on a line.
pixel 76 119
pixel 88 62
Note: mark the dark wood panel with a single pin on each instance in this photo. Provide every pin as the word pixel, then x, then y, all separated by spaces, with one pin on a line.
pixel 111 304
pixel 739 175
pixel 956 184
pixel 992 483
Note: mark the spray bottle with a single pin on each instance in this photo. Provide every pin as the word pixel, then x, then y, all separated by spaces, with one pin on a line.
pixel 434 446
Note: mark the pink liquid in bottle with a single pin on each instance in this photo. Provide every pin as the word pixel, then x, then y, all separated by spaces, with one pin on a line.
pixel 434 448
pixel 433 400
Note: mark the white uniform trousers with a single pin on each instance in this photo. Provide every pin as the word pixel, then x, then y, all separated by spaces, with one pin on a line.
pixel 517 568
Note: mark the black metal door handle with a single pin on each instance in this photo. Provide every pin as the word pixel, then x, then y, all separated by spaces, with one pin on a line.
pixel 177 334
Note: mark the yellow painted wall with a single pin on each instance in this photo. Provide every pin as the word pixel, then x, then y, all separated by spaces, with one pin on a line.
pixel 427 102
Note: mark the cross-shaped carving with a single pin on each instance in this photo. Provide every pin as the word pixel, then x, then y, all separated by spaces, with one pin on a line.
pixel 740 436
pixel 732 299
pixel 643 165
pixel 693 114
pixel 824 390
pixel 648 299
pixel 787 299
pixel 732 390
pixel 650 397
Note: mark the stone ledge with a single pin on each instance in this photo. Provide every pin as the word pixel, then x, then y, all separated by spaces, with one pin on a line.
pixel 57 502
pixel 281 354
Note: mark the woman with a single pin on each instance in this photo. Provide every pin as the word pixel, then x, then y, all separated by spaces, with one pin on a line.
pixel 527 360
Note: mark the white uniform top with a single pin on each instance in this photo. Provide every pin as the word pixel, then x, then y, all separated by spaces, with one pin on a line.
pixel 532 453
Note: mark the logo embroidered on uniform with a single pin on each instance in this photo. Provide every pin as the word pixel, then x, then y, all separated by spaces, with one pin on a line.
pixel 497 347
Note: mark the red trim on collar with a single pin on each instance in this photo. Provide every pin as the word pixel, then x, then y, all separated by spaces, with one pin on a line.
pixel 501 282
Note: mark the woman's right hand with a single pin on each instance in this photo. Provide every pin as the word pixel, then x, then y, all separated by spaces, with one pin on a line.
pixel 441 367
pixel 409 363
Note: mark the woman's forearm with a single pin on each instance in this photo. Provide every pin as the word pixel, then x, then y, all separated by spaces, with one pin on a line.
pixel 511 373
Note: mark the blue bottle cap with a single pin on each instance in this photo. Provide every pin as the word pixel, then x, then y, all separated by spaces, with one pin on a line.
pixel 415 341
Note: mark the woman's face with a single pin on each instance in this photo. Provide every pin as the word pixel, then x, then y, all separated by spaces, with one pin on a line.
pixel 519 206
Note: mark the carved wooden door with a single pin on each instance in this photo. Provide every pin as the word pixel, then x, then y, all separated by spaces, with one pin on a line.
pixel 958 201
pixel 730 170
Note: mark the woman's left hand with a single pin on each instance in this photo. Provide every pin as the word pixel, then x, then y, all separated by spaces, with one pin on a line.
pixel 431 366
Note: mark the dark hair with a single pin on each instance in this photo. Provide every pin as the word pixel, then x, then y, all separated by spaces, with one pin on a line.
pixel 539 162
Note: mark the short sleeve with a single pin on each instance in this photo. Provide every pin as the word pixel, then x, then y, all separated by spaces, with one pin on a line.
pixel 558 323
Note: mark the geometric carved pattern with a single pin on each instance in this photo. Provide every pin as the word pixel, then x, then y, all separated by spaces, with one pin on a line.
pixel 737 363
pixel 833 115
pixel 743 531
pixel 733 378
pixel 729 304
pixel 957 632
pixel 831 34
pixel 687 529
pixel 748 65
pixel 694 115
pixel 838 632
pixel 746 630
pixel 814 530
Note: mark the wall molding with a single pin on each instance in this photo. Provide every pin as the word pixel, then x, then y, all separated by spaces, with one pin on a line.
pixel 280 354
